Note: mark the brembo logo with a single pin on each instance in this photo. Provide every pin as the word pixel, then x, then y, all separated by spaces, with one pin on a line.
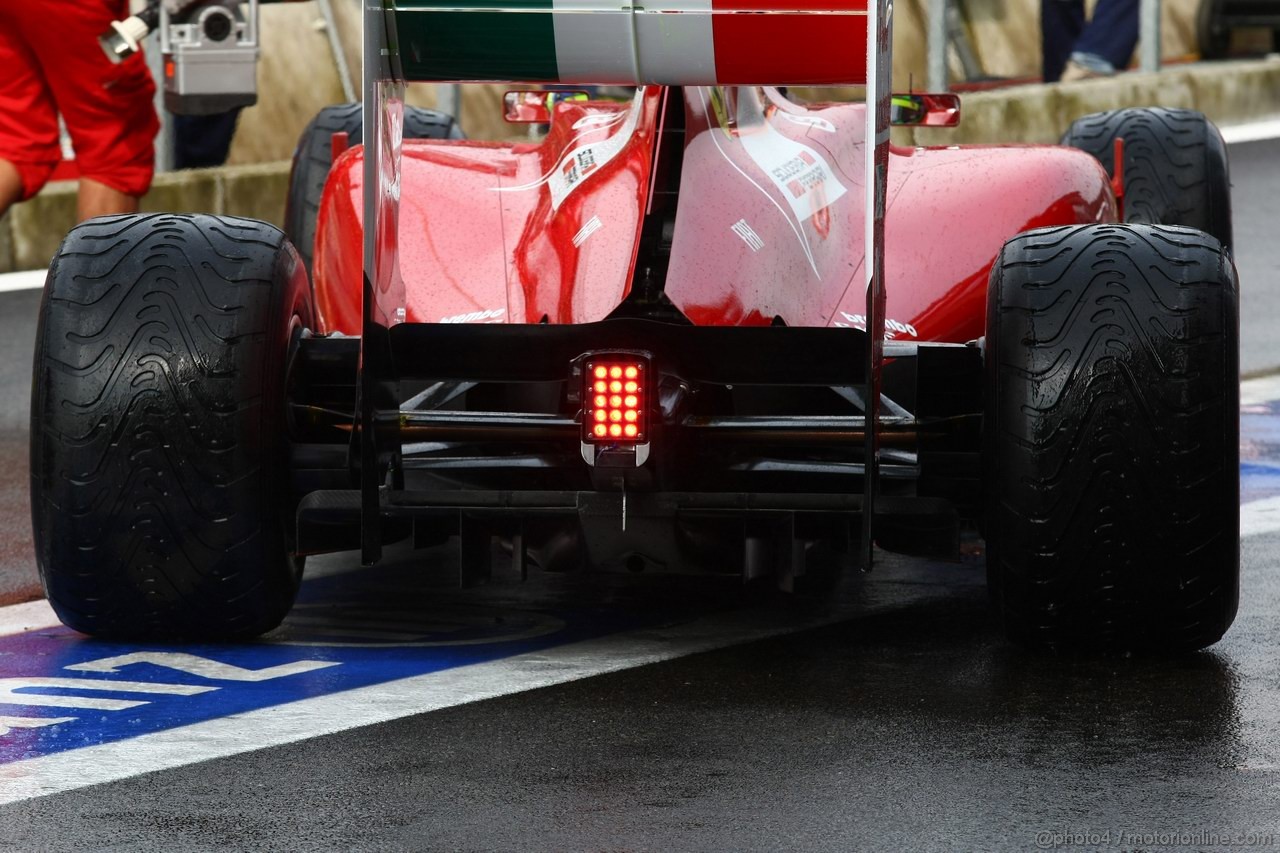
pixel 489 316
pixel 892 327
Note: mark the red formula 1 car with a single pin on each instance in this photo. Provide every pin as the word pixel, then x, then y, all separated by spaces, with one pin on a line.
pixel 703 327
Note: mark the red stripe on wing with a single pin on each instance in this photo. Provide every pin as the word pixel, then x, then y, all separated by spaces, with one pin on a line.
pixel 766 45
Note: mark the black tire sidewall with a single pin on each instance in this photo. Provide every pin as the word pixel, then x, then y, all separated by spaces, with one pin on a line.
pixel 1126 593
pixel 1164 183
pixel 180 588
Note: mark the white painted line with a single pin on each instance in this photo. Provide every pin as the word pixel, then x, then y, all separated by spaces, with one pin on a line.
pixel 28 616
pixel 25 280
pixel 1251 132
pixel 1264 389
pixel 365 706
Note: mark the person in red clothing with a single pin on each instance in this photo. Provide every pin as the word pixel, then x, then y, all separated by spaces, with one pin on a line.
pixel 51 63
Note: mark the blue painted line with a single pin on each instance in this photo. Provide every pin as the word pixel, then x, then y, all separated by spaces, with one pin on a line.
pixel 1260 452
pixel 48 653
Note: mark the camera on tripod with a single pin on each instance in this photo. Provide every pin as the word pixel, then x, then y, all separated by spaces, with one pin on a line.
pixel 209 47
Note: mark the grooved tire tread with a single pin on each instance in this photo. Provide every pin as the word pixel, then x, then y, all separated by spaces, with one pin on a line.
pixel 158 471
pixel 1111 438
pixel 1175 166
pixel 314 156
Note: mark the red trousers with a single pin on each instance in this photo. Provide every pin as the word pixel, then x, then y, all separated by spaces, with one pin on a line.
pixel 51 63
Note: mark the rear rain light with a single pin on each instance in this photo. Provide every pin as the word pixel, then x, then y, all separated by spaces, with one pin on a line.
pixel 614 401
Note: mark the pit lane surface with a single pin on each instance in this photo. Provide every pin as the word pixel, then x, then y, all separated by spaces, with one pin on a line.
pixel 898 718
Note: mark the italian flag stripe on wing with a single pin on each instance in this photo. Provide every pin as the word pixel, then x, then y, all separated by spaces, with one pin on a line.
pixel 813 46
pixel 677 42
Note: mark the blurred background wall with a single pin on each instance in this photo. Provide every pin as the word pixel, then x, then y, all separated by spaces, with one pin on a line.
pixel 298 74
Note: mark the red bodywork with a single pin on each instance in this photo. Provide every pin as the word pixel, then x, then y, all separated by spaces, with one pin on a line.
pixel 770 222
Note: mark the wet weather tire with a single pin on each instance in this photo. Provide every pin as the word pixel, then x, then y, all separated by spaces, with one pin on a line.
pixel 1175 166
pixel 314 155
pixel 1111 472
pixel 159 473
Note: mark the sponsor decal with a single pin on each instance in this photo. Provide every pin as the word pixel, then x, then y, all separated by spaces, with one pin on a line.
pixel 729 151
pixel 892 328
pixel 583 161
pixel 488 315
pixel 574 167
pixel 800 173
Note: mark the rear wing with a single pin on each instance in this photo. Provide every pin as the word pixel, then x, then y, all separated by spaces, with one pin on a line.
pixel 675 42
pixel 591 42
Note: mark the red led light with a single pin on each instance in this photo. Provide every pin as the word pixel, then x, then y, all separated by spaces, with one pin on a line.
pixel 613 405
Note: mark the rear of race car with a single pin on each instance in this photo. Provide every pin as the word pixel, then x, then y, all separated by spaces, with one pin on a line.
pixel 633 413
pixel 603 425
pixel 657 339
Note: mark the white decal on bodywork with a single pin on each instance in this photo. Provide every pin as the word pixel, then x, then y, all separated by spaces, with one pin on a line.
pixel 892 328
pixel 582 161
pixel 593 225
pixel 574 167
pixel 748 235
pixel 800 173
pixel 488 315
pixel 795 227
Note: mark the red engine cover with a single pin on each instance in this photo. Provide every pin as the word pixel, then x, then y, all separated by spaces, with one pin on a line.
pixel 769 224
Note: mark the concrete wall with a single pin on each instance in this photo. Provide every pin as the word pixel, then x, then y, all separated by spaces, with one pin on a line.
pixel 31 232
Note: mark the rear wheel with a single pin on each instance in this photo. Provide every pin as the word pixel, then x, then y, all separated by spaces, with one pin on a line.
pixel 159 476
pixel 1175 166
pixel 314 155
pixel 1111 458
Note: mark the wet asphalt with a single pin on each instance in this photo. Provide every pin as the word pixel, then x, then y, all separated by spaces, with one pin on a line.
pixel 911 724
